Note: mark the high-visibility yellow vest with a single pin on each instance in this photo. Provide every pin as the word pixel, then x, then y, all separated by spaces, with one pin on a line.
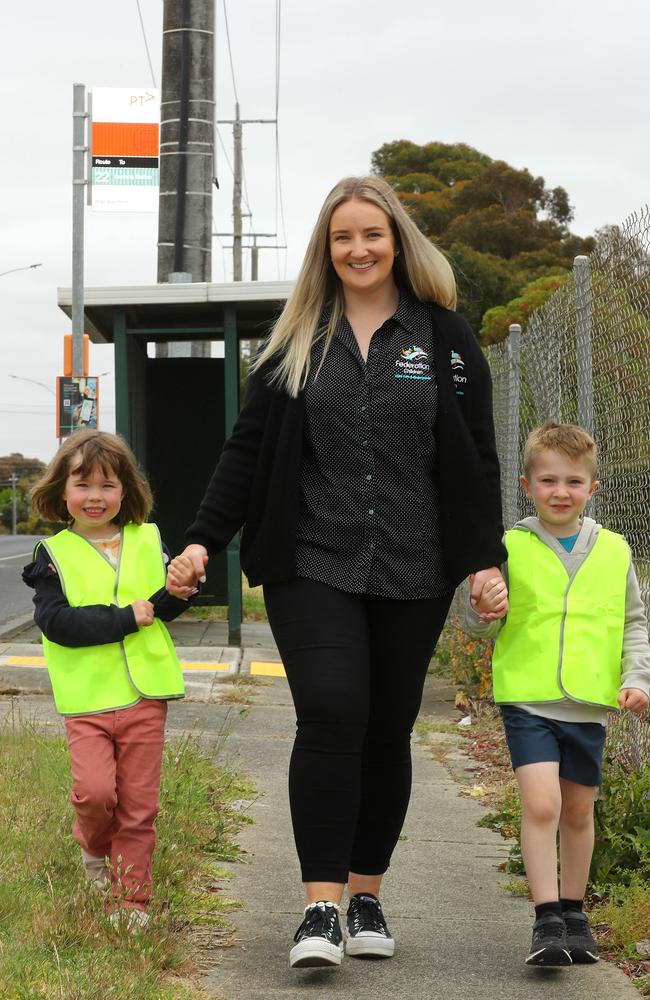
pixel 90 679
pixel 563 636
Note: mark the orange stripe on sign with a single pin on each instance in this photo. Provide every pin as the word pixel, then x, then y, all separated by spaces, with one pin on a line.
pixel 125 139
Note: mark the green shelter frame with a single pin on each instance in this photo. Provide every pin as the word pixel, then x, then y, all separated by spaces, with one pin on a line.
pixel 132 318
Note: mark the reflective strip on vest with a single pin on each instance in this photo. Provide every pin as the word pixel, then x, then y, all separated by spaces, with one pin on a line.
pixel 90 679
pixel 563 637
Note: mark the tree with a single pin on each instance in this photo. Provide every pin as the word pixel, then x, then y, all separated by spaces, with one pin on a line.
pixel 27 471
pixel 497 320
pixel 501 227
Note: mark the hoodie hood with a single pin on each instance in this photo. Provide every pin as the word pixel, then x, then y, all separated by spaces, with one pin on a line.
pixel 584 543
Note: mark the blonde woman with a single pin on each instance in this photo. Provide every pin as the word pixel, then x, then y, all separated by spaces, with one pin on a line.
pixel 364 472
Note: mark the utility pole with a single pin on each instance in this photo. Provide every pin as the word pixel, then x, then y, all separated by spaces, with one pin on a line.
pixel 186 149
pixel 14 479
pixel 237 214
pixel 236 198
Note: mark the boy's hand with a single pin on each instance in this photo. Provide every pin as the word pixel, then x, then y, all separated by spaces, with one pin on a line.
pixel 488 594
pixel 633 699
pixel 184 571
pixel 143 611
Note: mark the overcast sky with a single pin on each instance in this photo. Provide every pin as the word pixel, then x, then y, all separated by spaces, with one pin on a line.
pixel 560 88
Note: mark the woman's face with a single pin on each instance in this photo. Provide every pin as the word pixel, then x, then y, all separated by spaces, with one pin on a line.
pixel 362 246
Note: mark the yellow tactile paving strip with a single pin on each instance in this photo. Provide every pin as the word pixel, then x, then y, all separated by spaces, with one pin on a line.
pixel 39 661
pixel 264 669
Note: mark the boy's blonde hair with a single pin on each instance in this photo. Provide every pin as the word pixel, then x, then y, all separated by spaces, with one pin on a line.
pixel 420 268
pixel 93 449
pixel 568 439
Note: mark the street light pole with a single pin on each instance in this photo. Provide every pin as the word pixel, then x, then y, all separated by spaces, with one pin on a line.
pixel 25 267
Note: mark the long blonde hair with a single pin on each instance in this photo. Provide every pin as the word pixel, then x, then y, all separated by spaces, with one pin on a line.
pixel 420 268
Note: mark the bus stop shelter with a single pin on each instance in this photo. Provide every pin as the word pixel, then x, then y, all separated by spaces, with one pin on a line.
pixel 176 412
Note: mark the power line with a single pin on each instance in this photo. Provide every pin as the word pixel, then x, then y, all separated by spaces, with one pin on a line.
pixel 279 201
pixel 144 36
pixel 232 68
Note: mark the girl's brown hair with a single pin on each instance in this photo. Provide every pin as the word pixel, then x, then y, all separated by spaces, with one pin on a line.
pixel 82 452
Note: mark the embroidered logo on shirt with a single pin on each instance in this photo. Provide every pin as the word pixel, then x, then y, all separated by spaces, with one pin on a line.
pixel 457 366
pixel 414 353
pixel 413 364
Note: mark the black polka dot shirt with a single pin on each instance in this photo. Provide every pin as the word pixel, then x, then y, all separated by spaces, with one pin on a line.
pixel 369 520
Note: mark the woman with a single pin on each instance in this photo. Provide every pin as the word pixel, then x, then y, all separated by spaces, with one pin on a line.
pixel 363 469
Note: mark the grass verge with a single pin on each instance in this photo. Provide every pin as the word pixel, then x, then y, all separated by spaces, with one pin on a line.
pixel 55 941
pixel 253 609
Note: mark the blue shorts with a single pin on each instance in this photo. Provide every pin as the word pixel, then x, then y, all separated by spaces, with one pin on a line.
pixel 577 746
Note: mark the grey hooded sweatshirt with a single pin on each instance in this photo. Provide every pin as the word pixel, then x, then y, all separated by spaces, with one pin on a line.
pixel 635 663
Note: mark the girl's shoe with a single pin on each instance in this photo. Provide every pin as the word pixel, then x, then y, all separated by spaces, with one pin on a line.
pixel 134 921
pixel 318 939
pixel 368 935
pixel 96 871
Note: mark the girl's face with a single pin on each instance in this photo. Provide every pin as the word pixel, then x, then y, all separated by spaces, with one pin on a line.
pixel 362 246
pixel 92 500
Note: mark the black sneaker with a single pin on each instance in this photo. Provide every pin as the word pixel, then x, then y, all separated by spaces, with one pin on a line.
pixel 580 941
pixel 318 939
pixel 368 935
pixel 549 944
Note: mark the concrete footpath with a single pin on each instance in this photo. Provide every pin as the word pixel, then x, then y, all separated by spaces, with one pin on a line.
pixel 459 934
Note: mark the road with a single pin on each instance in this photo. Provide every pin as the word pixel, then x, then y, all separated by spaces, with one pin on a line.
pixel 15 597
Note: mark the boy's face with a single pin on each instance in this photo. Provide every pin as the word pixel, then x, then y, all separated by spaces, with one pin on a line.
pixel 560 488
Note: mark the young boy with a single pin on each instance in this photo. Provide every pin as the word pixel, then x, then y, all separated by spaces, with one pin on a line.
pixel 572 646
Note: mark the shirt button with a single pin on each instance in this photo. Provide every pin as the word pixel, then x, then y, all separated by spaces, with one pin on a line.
pixel 371 512
pixel 368 477
pixel 363 408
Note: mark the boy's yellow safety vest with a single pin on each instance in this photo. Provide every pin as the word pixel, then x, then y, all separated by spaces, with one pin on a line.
pixel 563 636
pixel 91 679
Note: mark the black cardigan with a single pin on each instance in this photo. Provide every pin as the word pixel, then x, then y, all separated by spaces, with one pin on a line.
pixel 256 482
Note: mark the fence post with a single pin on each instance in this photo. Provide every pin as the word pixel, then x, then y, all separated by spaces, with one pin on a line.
pixel 511 470
pixel 584 374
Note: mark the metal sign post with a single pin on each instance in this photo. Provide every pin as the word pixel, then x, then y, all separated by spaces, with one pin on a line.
pixel 79 150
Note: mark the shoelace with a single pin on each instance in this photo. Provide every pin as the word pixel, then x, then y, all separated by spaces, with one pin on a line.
pixel 577 926
pixel 550 928
pixel 319 922
pixel 367 913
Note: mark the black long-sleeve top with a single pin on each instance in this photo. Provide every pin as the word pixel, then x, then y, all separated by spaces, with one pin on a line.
pixel 257 479
pixel 92 624
pixel 369 514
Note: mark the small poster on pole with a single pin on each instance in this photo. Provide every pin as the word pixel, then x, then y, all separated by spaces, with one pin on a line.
pixel 77 402
pixel 124 148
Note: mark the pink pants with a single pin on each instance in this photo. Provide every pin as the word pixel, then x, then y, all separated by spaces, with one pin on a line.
pixel 116 760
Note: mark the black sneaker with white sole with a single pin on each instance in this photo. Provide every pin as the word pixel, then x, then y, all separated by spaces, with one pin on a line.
pixel 549 944
pixel 368 935
pixel 580 941
pixel 319 940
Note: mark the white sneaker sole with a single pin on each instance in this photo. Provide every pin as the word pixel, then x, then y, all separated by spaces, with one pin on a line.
pixel 369 946
pixel 314 952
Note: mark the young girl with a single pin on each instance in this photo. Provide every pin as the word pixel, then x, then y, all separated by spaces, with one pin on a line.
pixel 100 602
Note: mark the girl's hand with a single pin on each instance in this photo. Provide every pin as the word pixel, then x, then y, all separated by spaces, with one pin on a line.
pixel 143 611
pixel 488 594
pixel 186 570
pixel 633 699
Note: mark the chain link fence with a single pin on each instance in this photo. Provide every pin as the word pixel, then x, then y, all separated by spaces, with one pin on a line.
pixel 585 358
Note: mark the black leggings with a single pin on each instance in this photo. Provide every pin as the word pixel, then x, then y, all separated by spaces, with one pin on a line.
pixel 356 667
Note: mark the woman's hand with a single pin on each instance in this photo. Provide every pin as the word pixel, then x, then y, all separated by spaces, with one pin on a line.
pixel 143 612
pixel 634 699
pixel 488 594
pixel 186 570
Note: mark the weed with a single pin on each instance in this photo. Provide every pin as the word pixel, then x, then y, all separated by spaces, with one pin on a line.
pixel 55 938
